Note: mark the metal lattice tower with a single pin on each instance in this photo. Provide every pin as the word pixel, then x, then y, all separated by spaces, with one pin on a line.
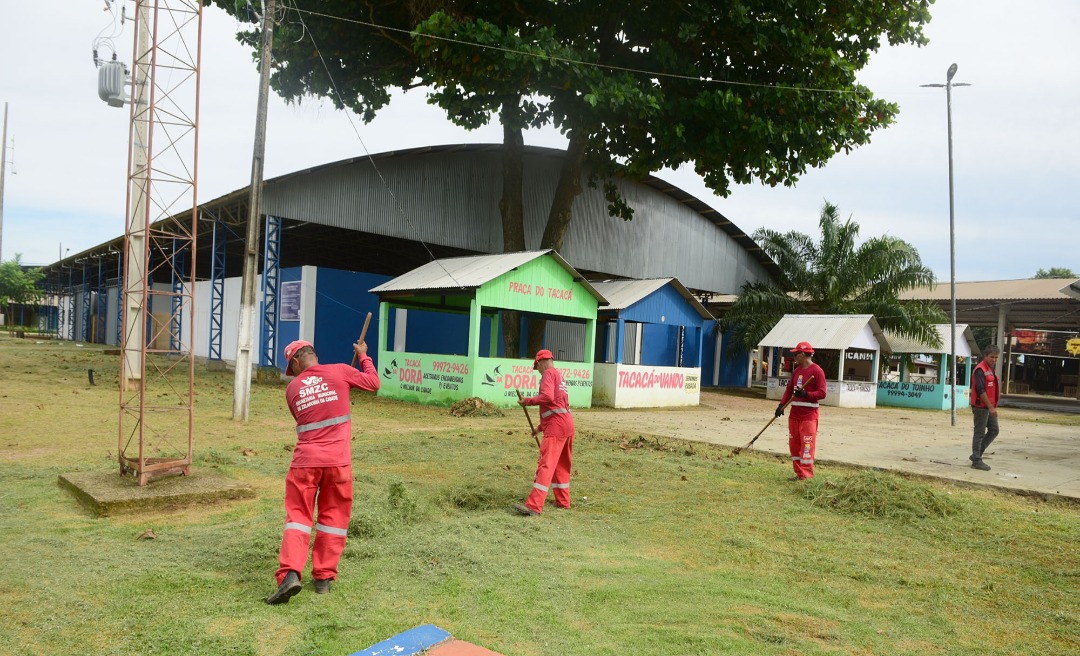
pixel 157 375
pixel 270 286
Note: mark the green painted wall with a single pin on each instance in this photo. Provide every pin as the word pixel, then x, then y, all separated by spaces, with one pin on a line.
pixel 541 286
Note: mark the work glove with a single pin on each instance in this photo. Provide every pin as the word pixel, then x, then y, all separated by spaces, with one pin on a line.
pixel 800 392
pixel 779 410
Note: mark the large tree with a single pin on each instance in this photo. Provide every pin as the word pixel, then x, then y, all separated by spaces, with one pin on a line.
pixel 837 276
pixel 743 90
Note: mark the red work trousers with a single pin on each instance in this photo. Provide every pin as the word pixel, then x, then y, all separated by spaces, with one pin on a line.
pixel 332 489
pixel 552 470
pixel 802 444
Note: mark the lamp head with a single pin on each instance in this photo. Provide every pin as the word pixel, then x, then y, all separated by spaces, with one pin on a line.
pixel 951 73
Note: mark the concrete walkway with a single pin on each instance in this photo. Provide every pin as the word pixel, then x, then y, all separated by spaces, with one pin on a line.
pixel 1037 452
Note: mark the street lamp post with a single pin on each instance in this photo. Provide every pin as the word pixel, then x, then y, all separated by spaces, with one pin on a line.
pixel 949 84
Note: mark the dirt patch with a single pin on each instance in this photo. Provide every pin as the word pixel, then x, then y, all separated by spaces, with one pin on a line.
pixel 1035 452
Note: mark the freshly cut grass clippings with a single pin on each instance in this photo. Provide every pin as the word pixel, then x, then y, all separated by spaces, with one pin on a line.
pixel 475 407
pixel 874 494
pixel 476 497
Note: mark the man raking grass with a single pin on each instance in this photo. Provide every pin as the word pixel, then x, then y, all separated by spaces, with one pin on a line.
pixel 321 469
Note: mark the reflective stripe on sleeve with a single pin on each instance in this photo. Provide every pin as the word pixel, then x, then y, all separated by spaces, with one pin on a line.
pixel 553 411
pixel 331 530
pixel 297 526
pixel 303 428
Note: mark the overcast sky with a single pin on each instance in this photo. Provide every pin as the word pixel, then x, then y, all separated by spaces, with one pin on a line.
pixel 1015 135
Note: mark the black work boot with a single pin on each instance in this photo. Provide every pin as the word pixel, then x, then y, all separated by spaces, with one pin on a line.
pixel 290 585
pixel 522 509
pixel 322 586
pixel 980 465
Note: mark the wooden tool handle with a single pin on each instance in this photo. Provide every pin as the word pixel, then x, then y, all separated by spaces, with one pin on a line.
pixel 363 333
pixel 529 417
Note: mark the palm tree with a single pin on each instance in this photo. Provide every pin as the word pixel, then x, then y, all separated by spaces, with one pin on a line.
pixel 836 277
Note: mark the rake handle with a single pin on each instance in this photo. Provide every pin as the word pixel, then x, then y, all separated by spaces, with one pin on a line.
pixel 762 431
pixel 529 418
pixel 363 333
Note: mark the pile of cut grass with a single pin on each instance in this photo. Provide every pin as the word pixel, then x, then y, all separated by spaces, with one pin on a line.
pixel 475 407
pixel 877 494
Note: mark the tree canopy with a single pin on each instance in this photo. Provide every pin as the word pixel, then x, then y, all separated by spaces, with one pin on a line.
pixel 1056 272
pixel 836 276
pixel 743 89
pixel 17 284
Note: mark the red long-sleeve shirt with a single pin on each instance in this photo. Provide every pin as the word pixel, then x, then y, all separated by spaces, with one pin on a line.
pixel 815 391
pixel 319 401
pixel 555 417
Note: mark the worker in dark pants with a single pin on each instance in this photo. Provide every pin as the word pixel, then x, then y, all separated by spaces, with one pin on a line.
pixel 985 393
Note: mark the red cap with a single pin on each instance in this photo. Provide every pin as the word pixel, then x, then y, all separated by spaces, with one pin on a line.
pixel 803 347
pixel 293 347
pixel 542 354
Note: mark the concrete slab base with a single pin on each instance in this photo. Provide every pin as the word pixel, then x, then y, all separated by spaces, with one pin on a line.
pixel 106 492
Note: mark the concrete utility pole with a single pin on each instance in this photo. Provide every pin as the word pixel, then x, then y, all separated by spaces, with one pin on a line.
pixel 3 163
pixel 248 307
pixel 135 258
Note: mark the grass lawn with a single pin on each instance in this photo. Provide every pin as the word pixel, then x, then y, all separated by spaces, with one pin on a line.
pixel 678 549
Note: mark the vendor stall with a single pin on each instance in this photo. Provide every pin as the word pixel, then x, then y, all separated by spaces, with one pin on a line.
pixel 918 374
pixel 847 347
pixel 650 346
pixel 471 297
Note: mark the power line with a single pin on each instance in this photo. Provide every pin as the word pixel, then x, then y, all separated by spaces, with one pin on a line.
pixel 576 62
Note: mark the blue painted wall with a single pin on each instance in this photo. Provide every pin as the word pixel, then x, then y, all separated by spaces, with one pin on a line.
pixel 733 371
pixel 444 333
pixel 342 301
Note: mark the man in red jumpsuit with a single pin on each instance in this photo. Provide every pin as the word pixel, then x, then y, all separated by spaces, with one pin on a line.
pixel 321 469
pixel 557 425
pixel 804 390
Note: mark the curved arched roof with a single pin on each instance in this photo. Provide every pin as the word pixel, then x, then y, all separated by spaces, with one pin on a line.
pixel 392 211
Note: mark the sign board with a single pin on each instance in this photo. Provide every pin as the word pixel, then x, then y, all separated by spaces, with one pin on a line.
pixel 640 386
pixel 1046 342
pixel 290 301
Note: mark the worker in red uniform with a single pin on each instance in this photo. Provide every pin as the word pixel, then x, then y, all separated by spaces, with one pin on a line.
pixel 804 390
pixel 985 393
pixel 321 469
pixel 557 425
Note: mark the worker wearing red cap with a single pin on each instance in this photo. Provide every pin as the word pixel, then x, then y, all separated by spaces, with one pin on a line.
pixel 557 425
pixel 805 389
pixel 321 469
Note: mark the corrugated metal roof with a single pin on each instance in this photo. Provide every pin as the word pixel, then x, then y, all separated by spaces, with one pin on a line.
pixel 621 294
pixel 1000 290
pixel 470 272
pixel 964 337
pixel 823 331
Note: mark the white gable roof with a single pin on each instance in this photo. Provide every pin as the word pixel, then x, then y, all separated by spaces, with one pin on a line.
pixel 828 331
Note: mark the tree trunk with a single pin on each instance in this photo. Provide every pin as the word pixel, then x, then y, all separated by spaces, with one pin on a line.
pixel 559 217
pixel 511 207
